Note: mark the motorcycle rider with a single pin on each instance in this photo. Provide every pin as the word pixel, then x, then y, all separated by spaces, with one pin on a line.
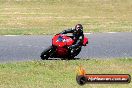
pixel 78 37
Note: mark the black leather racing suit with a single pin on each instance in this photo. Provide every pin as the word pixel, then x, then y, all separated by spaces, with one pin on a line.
pixel 78 40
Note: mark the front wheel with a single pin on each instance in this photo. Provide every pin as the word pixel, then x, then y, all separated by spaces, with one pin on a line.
pixel 46 53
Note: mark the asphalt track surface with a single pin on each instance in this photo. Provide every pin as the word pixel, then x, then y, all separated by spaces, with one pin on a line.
pixel 101 45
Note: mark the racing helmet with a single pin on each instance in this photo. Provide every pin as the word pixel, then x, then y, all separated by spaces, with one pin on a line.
pixel 79 28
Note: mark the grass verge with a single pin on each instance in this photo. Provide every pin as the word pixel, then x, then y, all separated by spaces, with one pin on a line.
pixel 33 17
pixel 60 74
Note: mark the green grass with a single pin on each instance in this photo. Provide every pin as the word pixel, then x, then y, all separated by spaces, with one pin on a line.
pixel 35 17
pixel 60 74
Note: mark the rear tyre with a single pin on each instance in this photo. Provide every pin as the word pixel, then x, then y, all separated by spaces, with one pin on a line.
pixel 78 51
pixel 75 52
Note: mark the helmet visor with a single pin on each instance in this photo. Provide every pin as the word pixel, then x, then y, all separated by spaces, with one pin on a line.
pixel 78 28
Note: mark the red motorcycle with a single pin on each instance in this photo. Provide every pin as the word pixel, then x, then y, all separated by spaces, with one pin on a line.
pixel 59 48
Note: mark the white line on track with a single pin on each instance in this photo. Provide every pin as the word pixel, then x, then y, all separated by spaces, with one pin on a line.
pixel 102 32
pixel 111 32
pixel 84 33
pixel 87 33
pixel 11 35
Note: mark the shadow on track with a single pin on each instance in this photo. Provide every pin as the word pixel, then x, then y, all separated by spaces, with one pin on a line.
pixel 67 59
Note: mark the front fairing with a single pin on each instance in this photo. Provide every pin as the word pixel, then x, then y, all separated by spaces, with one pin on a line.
pixel 62 40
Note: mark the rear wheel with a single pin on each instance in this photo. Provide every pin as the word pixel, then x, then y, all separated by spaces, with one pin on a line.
pixel 78 51
pixel 75 52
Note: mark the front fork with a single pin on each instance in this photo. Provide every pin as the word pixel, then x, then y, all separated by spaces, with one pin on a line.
pixel 52 51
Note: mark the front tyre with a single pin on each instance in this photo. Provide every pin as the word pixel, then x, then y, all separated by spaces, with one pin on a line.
pixel 44 55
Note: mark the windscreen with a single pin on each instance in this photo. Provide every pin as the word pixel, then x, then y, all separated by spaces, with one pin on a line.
pixel 60 39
